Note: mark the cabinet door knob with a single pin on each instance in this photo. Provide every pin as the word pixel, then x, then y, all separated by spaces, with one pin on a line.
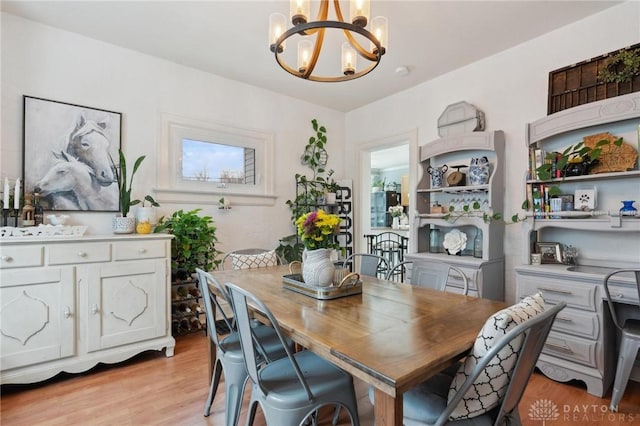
pixel 82 254
pixel 142 250
pixel 67 312
pixel 6 258
pixel 94 309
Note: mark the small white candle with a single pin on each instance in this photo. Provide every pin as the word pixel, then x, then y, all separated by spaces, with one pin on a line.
pixel 16 195
pixel 5 194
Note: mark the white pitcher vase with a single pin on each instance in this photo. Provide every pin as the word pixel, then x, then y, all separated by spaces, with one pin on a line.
pixel 317 267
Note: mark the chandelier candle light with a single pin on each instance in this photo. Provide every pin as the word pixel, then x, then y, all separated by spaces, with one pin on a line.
pixel 312 33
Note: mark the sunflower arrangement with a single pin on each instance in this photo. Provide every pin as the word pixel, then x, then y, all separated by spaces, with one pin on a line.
pixel 317 229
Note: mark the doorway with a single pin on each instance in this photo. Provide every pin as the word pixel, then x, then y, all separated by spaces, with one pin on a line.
pixel 393 160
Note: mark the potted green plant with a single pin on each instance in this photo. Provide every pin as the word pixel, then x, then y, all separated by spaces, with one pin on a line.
pixel 378 184
pixel 124 224
pixel 331 188
pixel 194 241
pixel 147 214
pixel 574 160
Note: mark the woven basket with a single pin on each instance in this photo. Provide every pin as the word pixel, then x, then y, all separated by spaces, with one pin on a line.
pixel 612 158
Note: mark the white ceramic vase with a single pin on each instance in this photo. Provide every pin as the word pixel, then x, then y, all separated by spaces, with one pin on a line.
pixel 123 225
pixel 317 267
pixel 395 224
pixel 148 214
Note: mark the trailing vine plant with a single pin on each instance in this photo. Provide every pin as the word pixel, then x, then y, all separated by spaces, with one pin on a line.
pixel 315 157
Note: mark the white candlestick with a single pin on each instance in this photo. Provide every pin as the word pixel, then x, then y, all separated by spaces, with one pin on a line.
pixel 5 194
pixel 16 195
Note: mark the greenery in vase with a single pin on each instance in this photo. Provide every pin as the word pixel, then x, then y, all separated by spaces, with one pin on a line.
pixel 194 239
pixel 124 187
pixel 396 211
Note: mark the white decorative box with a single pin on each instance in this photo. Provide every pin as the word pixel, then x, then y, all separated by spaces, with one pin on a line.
pixel 43 231
pixel 584 199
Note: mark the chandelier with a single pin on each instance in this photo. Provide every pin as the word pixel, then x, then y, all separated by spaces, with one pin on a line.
pixel 312 35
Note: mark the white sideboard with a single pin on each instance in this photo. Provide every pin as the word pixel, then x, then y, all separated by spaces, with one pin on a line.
pixel 485 274
pixel 582 342
pixel 69 303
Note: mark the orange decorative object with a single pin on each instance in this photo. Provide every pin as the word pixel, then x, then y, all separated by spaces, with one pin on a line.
pixel 612 158
pixel 143 227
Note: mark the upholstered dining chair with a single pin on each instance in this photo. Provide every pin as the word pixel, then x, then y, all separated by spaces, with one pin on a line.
pixel 371 265
pixel 229 357
pixel 249 259
pixel 629 332
pixel 487 387
pixel 291 390
pixel 430 273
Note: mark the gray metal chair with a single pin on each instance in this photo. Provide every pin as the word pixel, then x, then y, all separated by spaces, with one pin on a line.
pixel 629 334
pixel 249 259
pixel 290 390
pixel 428 405
pixel 371 265
pixel 390 245
pixel 429 273
pixel 229 357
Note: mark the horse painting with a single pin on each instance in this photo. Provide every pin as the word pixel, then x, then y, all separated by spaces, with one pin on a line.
pixel 74 185
pixel 80 174
pixel 88 144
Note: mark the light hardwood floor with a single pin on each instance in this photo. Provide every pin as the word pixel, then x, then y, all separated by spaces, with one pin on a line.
pixel 151 389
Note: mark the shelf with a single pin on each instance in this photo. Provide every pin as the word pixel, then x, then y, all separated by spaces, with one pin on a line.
pixel 596 177
pixel 464 260
pixel 603 112
pixel 600 223
pixel 477 189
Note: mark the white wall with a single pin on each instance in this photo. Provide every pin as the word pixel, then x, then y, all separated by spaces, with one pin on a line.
pixel 510 88
pixel 45 62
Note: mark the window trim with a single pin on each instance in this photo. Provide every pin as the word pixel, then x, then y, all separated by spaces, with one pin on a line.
pixel 171 186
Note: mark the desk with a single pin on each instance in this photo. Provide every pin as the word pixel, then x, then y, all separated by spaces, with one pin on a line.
pixel 392 336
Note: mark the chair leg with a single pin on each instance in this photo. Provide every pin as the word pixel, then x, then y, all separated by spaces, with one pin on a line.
pixel 235 379
pixel 628 352
pixel 336 415
pixel 215 381
pixel 251 414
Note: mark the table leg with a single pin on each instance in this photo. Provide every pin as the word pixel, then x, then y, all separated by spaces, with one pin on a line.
pixel 387 409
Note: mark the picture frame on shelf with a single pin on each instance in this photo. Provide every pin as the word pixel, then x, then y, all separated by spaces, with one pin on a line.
pixel 551 252
pixel 55 136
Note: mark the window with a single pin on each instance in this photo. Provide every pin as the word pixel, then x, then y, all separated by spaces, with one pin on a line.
pixel 211 161
pixel 218 163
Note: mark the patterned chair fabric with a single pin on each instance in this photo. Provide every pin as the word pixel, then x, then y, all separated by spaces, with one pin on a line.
pixel 250 259
pixel 489 387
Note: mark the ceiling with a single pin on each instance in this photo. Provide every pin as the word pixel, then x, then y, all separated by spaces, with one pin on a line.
pixel 229 38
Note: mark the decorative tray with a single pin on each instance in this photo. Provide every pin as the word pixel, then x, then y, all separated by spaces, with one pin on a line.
pixel 295 283
pixel 43 231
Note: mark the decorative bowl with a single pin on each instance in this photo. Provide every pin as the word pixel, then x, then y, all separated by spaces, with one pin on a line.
pixel 57 219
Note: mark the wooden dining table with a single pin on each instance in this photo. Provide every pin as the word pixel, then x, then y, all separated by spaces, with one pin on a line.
pixel 392 335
